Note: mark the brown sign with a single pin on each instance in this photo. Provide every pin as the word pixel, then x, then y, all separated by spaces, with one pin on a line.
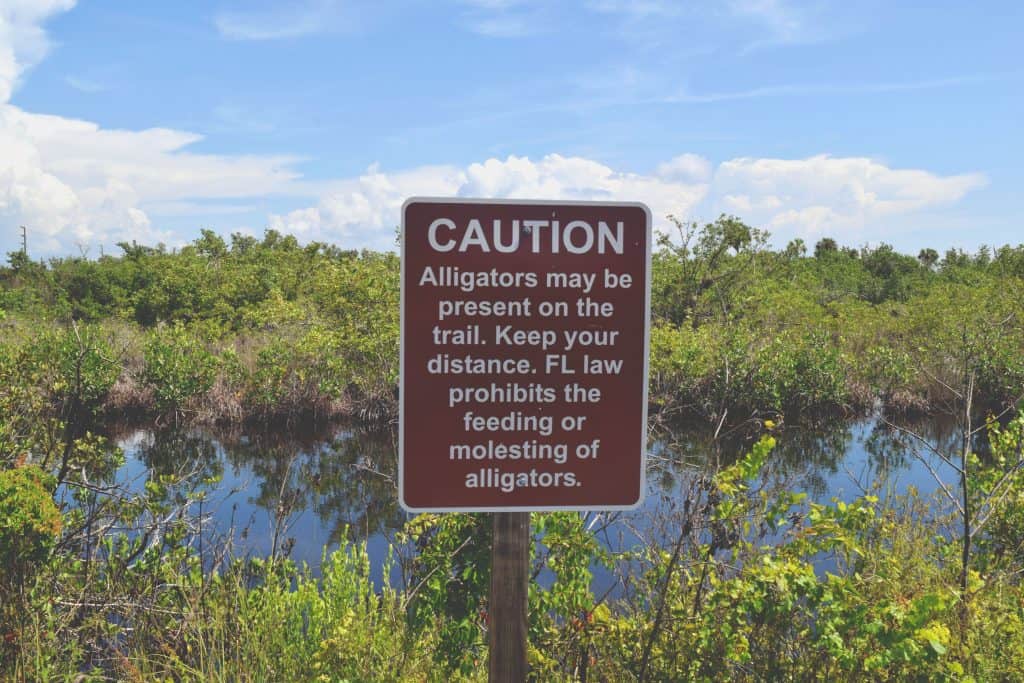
pixel 524 355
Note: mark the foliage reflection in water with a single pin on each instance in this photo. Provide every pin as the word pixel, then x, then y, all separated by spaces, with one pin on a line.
pixel 300 491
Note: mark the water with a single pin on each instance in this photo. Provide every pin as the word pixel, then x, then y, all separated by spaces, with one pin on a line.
pixel 305 490
pixel 298 492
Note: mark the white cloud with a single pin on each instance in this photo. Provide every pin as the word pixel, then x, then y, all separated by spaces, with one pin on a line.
pixel 275 23
pixel 23 42
pixel 86 85
pixel 506 18
pixel 236 119
pixel 71 181
pixel 689 167
pixel 850 196
pixel 636 8
pixel 502 27
pixel 844 197
pixel 365 211
pixel 826 89
pixel 493 4
pixel 784 22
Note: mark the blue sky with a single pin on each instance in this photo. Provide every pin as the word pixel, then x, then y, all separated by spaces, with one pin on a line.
pixel 867 122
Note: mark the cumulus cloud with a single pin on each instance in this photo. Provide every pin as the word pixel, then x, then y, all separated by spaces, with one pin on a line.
pixel 23 42
pixel 842 196
pixel 367 209
pixel 364 211
pixel 689 167
pixel 846 195
pixel 73 181
pixel 29 191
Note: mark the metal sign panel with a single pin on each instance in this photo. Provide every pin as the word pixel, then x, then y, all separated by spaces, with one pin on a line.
pixel 524 350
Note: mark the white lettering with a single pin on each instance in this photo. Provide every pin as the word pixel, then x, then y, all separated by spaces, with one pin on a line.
pixel 432 234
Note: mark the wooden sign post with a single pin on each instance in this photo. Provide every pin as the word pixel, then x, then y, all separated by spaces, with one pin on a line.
pixel 507 613
pixel 523 373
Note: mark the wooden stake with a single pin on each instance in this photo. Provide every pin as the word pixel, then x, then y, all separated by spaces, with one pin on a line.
pixel 510 567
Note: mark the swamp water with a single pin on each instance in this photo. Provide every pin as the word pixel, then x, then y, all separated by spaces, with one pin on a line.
pixel 301 491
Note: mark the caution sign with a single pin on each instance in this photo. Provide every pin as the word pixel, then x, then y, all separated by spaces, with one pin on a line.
pixel 524 355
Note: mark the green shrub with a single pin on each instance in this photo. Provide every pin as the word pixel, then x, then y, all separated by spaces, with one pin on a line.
pixel 30 525
pixel 177 367
pixel 30 522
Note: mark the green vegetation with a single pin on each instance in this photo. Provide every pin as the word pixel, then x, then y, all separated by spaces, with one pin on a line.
pixel 740 580
pixel 258 329
pixel 715 602
pixel 266 329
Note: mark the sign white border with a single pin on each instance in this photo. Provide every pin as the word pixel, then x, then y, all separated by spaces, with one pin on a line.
pixel 401 361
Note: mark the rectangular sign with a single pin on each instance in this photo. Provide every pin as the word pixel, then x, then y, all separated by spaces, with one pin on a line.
pixel 524 355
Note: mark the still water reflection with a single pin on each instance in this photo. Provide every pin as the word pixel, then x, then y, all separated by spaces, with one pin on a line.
pixel 303 491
